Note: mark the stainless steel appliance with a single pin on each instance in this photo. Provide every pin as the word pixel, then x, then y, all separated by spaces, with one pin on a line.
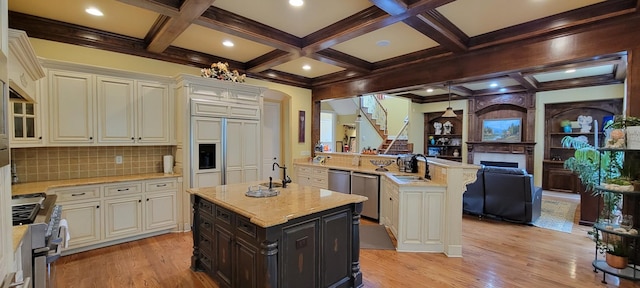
pixel 340 181
pixel 44 239
pixel 4 137
pixel 367 185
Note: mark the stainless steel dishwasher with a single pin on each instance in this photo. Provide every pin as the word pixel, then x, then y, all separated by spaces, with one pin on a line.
pixel 340 181
pixel 367 185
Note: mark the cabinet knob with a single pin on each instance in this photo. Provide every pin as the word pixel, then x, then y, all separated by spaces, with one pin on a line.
pixel 147 199
pixel 97 206
pixel 133 138
pixel 139 138
pixel 40 138
pixel 90 138
pixel 140 201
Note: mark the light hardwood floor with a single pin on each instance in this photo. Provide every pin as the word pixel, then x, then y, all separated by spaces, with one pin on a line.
pixel 495 254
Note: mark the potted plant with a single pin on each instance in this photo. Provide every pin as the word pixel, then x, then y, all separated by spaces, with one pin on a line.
pixel 613 246
pixel 594 167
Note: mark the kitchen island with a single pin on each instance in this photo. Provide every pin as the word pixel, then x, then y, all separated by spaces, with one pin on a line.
pixel 303 237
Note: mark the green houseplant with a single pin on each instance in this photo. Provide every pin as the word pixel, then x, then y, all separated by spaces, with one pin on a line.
pixel 613 246
pixel 593 167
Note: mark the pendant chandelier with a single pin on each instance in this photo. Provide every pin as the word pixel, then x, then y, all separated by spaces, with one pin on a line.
pixel 449 112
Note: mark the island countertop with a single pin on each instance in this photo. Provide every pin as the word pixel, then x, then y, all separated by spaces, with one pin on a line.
pixel 292 202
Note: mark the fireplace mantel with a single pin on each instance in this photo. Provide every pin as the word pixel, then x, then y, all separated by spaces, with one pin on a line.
pixel 526 148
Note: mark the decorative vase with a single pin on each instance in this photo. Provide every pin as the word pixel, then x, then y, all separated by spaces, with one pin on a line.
pixel 618 262
pixel 567 129
pixel 432 141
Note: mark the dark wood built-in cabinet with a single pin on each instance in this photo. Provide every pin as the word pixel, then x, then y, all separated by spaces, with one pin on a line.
pixel 443 145
pixel 317 250
pixel 555 177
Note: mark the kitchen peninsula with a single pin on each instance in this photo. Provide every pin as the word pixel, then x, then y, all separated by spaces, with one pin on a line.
pixel 424 216
pixel 303 237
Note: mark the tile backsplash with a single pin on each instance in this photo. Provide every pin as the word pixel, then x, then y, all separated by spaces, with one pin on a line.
pixel 61 163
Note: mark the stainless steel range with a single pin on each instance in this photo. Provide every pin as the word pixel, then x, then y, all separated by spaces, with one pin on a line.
pixel 44 240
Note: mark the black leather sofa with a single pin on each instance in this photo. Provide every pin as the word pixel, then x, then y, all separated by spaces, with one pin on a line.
pixel 503 193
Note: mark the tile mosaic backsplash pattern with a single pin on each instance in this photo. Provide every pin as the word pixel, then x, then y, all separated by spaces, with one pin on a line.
pixel 61 163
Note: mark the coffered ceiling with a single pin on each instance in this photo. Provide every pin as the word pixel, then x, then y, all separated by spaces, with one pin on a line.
pixel 337 39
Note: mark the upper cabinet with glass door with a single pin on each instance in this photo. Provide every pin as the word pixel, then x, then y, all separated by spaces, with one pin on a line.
pixel 26 122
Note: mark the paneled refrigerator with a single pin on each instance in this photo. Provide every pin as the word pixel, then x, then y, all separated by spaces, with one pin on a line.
pixel 224 151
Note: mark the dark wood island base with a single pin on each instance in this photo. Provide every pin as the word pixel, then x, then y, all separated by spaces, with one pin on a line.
pixel 321 249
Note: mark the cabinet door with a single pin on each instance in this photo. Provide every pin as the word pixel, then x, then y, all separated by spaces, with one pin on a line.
pixel 395 210
pixel 122 217
pixel 247 257
pixel 243 151
pixel 115 110
pixel 154 116
pixel 84 221
pixel 300 255
pixel 336 240
pixel 25 124
pixel 385 202
pixel 71 107
pixel 160 210
pixel 222 249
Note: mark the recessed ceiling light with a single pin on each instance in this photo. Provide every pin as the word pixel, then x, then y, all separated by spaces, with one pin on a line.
pixel 429 90
pixel 94 11
pixel 306 67
pixel 570 71
pixel 296 3
pixel 383 43
pixel 493 85
pixel 227 43
pixel 502 89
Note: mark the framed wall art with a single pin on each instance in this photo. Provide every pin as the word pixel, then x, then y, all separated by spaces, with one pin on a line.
pixel 502 130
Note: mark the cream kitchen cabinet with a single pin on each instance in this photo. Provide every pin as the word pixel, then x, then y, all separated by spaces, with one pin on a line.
pixel 133 112
pixel 25 121
pixel 312 176
pixel 389 205
pixel 160 208
pixel 71 107
pixel 122 216
pixel 122 209
pixel 82 208
pixel 99 215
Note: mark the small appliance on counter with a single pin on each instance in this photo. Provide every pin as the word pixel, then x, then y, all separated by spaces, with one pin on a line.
pixel 407 163
pixel 318 160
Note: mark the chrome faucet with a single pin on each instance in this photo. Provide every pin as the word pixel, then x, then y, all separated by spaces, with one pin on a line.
pixel 426 166
pixel 285 179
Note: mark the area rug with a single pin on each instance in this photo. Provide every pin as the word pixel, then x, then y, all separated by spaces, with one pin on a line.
pixel 375 237
pixel 556 215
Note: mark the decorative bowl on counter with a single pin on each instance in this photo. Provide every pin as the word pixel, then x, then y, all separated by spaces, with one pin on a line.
pixel 381 164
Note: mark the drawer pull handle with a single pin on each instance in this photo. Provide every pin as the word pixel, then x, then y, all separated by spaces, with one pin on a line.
pixel 124 189
pixel 161 185
pixel 78 194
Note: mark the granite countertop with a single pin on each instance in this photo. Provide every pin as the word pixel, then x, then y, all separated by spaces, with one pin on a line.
pixel 292 202
pixel 43 186
pixel 388 174
pixel 18 233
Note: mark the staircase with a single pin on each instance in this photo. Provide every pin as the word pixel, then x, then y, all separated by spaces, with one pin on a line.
pixel 375 113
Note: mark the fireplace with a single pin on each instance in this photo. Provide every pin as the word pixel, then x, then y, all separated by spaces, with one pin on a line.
pixel 520 153
pixel 500 164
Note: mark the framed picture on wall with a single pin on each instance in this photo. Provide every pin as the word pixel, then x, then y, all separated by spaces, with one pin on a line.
pixel 301 118
pixel 502 130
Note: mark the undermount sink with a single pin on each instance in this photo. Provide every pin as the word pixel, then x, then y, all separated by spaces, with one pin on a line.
pixel 273 184
pixel 408 178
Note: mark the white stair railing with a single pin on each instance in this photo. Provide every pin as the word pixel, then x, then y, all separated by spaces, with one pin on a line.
pixel 406 123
